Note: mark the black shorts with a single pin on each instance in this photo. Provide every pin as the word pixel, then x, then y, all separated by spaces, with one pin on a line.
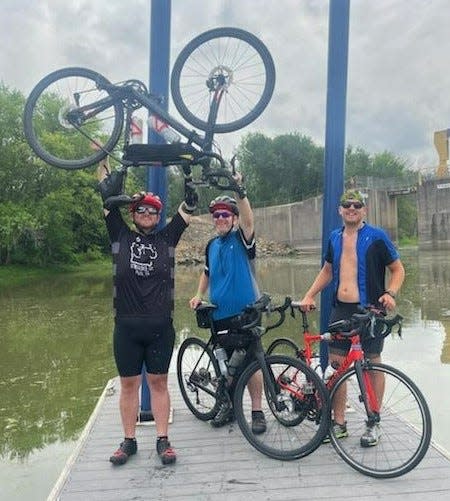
pixel 137 340
pixel 371 347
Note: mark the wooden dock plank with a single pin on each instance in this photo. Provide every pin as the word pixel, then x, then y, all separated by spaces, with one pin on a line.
pixel 218 464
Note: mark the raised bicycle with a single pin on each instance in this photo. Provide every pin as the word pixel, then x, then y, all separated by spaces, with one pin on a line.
pixel 220 82
pixel 403 416
pixel 295 401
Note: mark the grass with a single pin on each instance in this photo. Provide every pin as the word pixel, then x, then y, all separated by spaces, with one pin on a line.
pixel 13 275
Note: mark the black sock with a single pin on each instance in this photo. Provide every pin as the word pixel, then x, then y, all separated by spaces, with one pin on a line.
pixel 257 413
pixel 133 439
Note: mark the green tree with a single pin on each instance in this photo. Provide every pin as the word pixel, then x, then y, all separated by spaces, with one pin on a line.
pixel 283 169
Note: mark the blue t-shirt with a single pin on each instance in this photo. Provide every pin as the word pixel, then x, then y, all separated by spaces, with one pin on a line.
pixel 230 269
pixel 374 251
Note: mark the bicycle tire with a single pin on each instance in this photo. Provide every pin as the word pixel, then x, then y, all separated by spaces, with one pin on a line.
pixel 219 52
pixel 49 133
pixel 405 425
pixel 281 440
pixel 198 378
pixel 283 346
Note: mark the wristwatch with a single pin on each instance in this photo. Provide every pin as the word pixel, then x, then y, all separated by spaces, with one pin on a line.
pixel 390 293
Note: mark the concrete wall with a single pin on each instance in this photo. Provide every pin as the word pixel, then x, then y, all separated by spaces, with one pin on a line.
pixel 433 201
pixel 300 224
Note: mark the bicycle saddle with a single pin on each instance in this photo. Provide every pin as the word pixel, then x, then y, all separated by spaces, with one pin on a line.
pixel 165 154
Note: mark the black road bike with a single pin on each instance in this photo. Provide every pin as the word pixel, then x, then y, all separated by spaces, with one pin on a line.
pixel 295 401
pixel 220 82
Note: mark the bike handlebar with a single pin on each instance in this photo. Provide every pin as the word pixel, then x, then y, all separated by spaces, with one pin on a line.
pixel 365 322
pixel 369 316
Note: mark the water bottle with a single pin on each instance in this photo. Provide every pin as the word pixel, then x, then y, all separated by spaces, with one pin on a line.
pixel 329 371
pixel 221 355
pixel 236 359
pixel 158 125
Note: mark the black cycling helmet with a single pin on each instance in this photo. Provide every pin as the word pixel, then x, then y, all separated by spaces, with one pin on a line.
pixel 224 202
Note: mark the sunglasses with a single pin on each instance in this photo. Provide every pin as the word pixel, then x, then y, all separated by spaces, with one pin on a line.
pixel 356 205
pixel 223 214
pixel 149 210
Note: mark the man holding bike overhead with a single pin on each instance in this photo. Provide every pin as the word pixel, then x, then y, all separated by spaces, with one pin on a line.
pixel 355 262
pixel 229 278
pixel 143 260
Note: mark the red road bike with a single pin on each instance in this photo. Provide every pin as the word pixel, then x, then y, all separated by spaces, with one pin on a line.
pixel 402 415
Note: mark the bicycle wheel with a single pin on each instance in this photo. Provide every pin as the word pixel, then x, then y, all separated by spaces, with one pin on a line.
pixel 228 55
pixel 283 346
pixel 199 377
pixel 61 123
pixel 405 425
pixel 299 419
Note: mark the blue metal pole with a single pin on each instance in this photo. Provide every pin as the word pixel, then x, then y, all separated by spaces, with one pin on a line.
pixel 158 85
pixel 339 13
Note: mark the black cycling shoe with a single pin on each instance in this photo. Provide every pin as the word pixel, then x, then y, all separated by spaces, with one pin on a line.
pixel 126 449
pixel 165 452
pixel 224 416
pixel 258 422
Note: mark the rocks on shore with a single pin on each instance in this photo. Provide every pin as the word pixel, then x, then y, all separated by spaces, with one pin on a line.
pixel 191 248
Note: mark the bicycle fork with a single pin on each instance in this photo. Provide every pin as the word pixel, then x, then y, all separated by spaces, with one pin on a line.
pixel 367 395
pixel 274 386
pixel 268 377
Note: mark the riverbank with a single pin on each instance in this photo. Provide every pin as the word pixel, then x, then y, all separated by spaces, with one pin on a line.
pixel 191 248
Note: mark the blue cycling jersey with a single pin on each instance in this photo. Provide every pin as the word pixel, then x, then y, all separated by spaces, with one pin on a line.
pixel 230 269
pixel 374 251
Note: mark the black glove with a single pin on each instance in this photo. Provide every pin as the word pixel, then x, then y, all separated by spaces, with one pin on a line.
pixel 238 188
pixel 117 201
pixel 112 185
pixel 190 198
pixel 121 200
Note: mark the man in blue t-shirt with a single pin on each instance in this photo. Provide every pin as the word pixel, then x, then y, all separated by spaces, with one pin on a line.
pixel 355 263
pixel 229 277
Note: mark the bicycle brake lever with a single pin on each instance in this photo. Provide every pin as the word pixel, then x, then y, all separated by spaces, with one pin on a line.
pixel 233 165
pixel 214 179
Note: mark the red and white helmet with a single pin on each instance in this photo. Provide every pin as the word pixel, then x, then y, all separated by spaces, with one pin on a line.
pixel 224 202
pixel 148 199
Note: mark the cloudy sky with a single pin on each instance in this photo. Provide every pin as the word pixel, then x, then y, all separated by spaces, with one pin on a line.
pixel 398 74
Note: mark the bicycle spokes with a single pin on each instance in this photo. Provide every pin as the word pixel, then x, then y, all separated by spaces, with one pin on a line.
pixel 290 407
pixel 402 420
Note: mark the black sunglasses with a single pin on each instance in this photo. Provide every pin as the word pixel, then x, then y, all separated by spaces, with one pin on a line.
pixel 356 205
pixel 142 210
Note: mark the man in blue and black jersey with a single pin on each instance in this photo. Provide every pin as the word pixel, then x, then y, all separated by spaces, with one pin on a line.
pixel 229 277
pixel 356 260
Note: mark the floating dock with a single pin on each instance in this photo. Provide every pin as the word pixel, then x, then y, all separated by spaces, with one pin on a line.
pixel 220 465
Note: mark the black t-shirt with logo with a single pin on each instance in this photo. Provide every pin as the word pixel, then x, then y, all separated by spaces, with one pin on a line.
pixel 143 268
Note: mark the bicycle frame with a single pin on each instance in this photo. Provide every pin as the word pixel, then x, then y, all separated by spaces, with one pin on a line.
pixel 355 357
pixel 256 347
pixel 131 92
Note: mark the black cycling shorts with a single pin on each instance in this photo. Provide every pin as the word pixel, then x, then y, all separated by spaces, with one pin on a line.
pixel 137 341
pixel 371 347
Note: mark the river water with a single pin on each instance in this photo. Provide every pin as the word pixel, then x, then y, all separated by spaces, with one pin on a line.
pixel 56 355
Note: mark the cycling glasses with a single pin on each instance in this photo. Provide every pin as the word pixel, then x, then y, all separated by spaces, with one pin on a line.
pixel 222 213
pixel 356 205
pixel 141 209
